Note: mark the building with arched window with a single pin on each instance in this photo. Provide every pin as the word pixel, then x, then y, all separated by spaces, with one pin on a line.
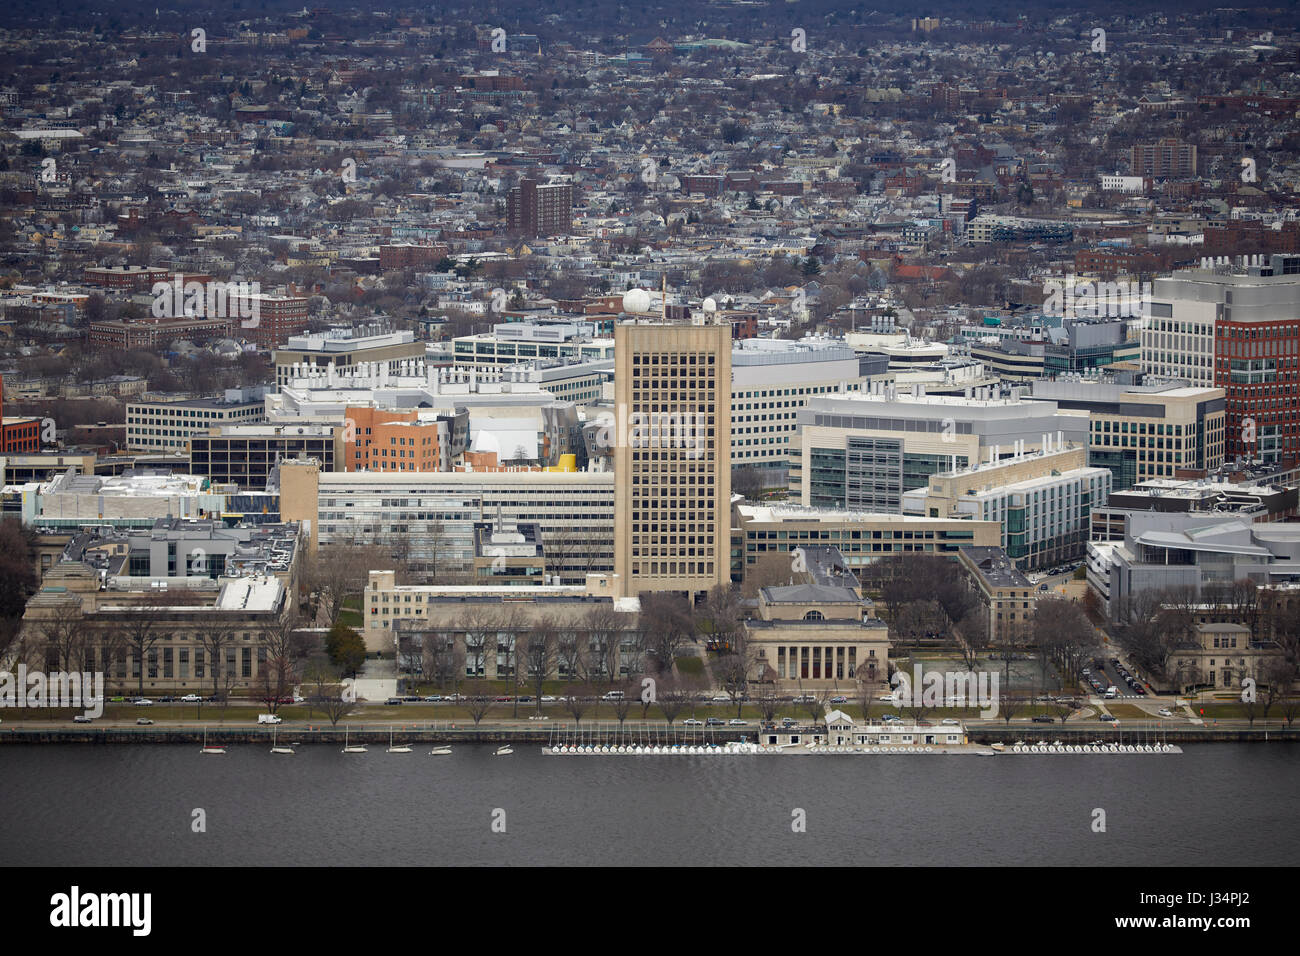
pixel 816 637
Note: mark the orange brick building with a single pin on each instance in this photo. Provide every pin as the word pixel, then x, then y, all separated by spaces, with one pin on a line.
pixel 381 440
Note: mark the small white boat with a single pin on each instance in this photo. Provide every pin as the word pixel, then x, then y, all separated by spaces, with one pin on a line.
pixel 998 747
pixel 353 748
pixel 276 748
pixel 440 751
pixel 503 750
pixel 214 749
pixel 397 748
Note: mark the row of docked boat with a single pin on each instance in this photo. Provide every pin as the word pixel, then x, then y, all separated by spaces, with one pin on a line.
pixel 1096 747
pixel 349 747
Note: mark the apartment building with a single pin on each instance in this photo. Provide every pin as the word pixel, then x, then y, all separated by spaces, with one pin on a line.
pixel 168 426
pixel 673 499
pixel 540 209
pixel 1164 159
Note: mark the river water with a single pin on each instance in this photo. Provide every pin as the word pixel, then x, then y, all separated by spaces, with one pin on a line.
pixel 1219 804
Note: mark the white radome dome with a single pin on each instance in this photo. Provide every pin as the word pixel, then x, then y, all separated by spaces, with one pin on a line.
pixel 710 305
pixel 636 300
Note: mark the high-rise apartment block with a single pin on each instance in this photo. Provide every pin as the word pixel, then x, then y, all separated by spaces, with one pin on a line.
pixel 537 209
pixel 1164 158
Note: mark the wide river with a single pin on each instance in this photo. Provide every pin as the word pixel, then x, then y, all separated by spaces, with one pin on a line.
pixel 1214 804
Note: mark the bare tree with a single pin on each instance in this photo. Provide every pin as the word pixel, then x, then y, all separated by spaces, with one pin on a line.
pixel 767 702
pixel 540 655
pixel 672 700
pixel 141 628
pixel 814 701
pixel 480 626
pixel 327 690
pixel 442 659
pixel 1008 707
pixel 576 702
pixel 214 638
pixel 667 622
pixel 284 647
pixel 733 669
pixel 479 700
pixel 63 637
pixel 603 628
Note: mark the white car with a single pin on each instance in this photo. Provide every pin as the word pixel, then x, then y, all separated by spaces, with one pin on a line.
pixel 886 699
pixel 191 699
pixel 692 722
pixel 951 721
pixel 1165 712
pixel 721 699
pixel 737 722
pixel 539 717
pixel 548 699
pixel 142 702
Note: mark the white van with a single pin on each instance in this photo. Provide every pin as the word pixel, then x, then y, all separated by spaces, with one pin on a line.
pixel 613 695
pixel 268 719
pixel 1111 692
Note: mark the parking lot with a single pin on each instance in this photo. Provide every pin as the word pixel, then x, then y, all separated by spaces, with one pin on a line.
pixel 1107 672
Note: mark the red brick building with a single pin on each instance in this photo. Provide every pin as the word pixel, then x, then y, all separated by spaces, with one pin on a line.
pixel 18 434
pixel 409 256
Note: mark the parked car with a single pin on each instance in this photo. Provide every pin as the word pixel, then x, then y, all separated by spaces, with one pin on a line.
pixel 191 699
pixel 1165 712
pixel 737 722
pixel 1044 719
pixel 143 720
pixel 142 702
pixel 433 698
pixel 715 722
pixel 82 719
pixel 548 699
pixel 269 719
pixel 722 699
pixel 393 702
pixel 539 717
pixel 692 722
pixel 839 700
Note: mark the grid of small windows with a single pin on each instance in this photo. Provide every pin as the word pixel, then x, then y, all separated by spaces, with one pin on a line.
pixel 674 453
